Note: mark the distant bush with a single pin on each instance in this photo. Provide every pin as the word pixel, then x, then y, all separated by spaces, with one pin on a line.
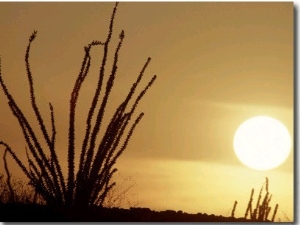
pixel 23 193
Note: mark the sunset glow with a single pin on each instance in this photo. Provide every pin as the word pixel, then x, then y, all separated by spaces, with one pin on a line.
pixel 217 121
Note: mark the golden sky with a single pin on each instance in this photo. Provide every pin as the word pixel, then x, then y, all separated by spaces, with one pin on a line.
pixel 218 64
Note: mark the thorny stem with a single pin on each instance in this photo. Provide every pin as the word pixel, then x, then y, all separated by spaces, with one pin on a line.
pixel 93 178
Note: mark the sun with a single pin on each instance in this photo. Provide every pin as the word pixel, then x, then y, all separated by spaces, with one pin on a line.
pixel 262 143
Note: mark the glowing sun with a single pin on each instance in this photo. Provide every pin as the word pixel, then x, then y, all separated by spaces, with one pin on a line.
pixel 262 143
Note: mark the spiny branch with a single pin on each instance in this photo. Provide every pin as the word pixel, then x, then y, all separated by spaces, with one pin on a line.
pixel 93 178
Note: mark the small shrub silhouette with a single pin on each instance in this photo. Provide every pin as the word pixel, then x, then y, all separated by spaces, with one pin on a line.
pixel 93 180
pixel 22 193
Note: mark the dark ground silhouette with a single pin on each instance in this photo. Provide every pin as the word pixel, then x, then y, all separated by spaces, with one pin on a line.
pixel 39 213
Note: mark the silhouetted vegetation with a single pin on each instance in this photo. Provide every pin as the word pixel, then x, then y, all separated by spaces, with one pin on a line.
pixel 23 193
pixel 88 193
pixel 93 214
pixel 27 206
pixel 262 208
pixel 119 195
pixel 92 182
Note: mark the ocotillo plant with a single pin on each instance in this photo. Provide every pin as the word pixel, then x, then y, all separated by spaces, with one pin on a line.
pixel 262 209
pixel 90 184
pixel 233 209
